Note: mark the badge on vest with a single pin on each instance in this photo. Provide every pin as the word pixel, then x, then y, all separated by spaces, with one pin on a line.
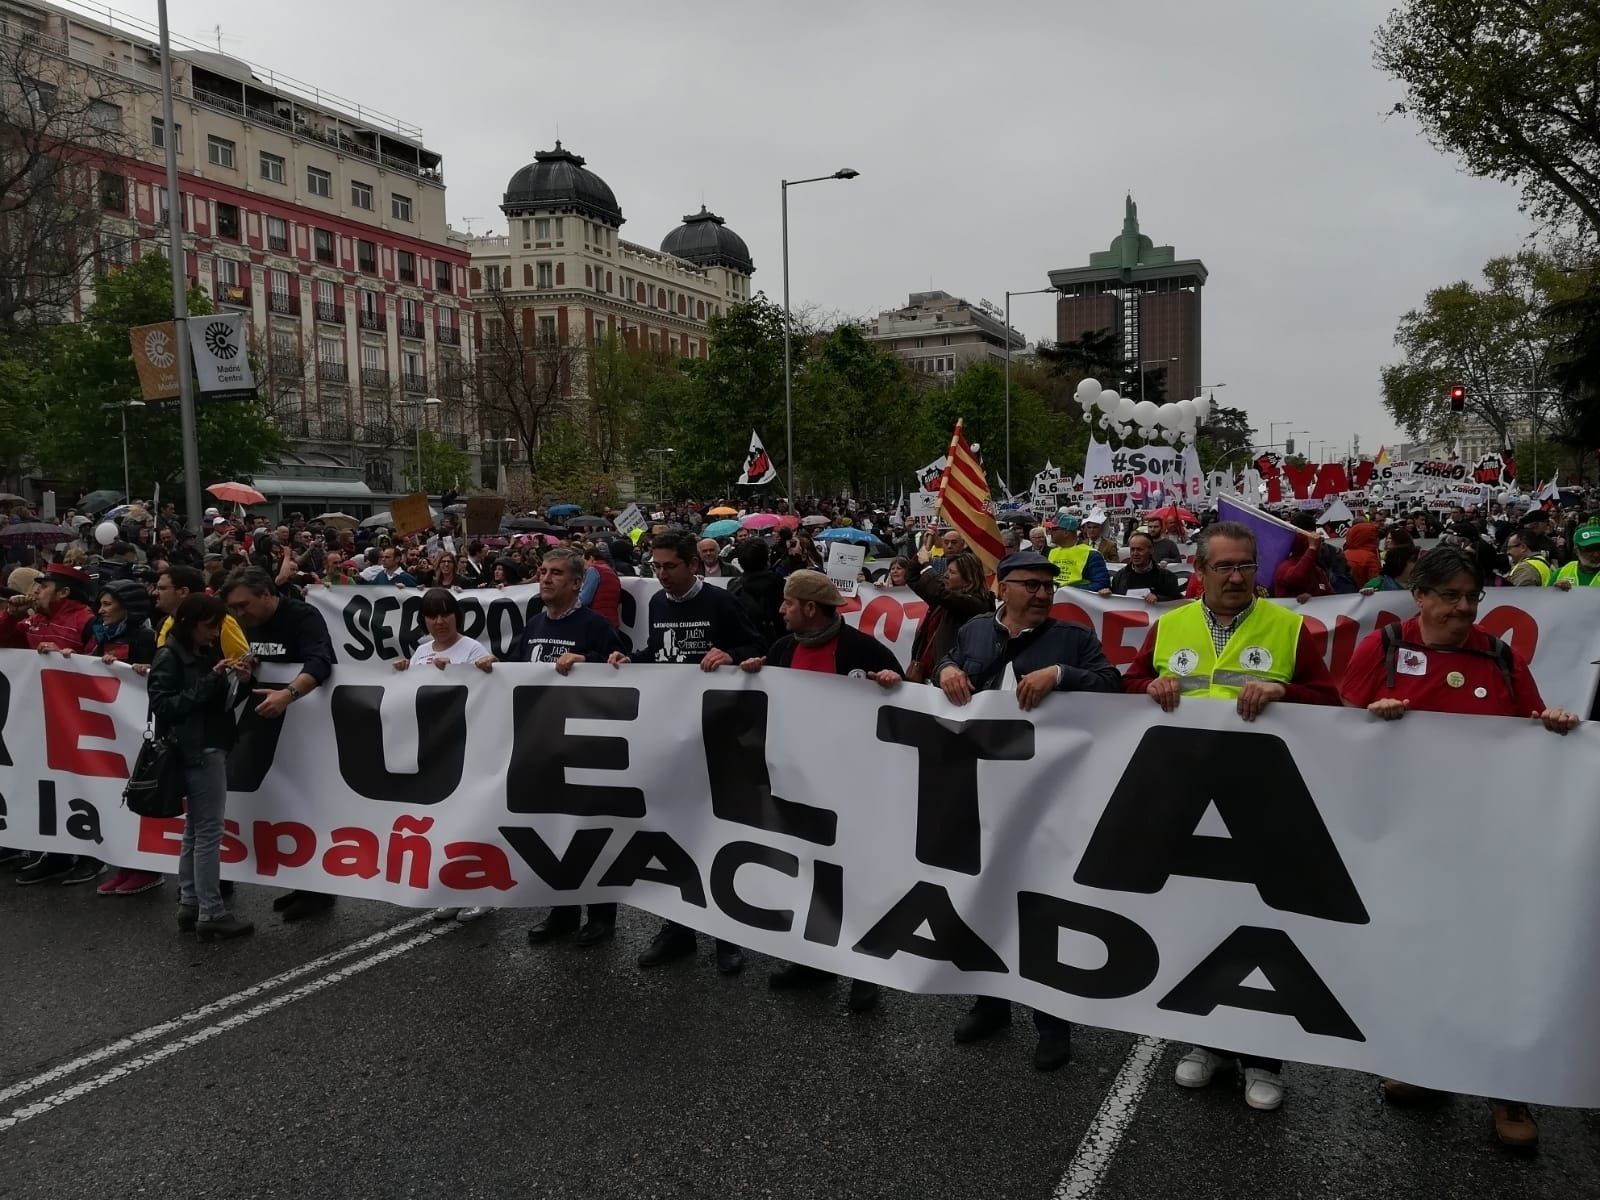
pixel 1183 661
pixel 1257 658
pixel 1411 662
pixel 1456 679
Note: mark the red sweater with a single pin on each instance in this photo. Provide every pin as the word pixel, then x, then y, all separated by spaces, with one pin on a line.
pixel 66 625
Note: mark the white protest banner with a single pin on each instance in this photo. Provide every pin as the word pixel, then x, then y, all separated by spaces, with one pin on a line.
pixel 1065 870
pixel 924 505
pixel 221 362
pixel 844 566
pixel 1159 467
pixel 1557 632
pixel 629 519
pixel 1113 487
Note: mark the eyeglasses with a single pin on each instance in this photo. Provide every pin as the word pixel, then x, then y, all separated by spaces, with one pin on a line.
pixel 658 567
pixel 1453 597
pixel 1226 569
pixel 1031 586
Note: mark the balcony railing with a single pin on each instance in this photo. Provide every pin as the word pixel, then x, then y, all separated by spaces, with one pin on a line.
pixel 375 321
pixel 450 389
pixel 288 366
pixel 335 429
pixel 235 295
pixel 449 335
pixel 410 329
pixel 332 313
pixel 414 385
pixel 332 372
pixel 375 377
pixel 278 245
pixel 379 433
pixel 283 302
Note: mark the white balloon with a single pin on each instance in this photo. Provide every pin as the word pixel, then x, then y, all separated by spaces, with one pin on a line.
pixel 1167 416
pixel 1185 412
pixel 1087 387
pixel 1125 407
pixel 1202 408
pixel 1088 418
pixel 1107 402
pixel 1145 413
pixel 105 533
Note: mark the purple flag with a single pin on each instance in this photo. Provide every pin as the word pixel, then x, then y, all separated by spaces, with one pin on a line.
pixel 1275 539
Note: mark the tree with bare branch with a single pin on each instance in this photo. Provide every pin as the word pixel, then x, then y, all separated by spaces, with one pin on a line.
pixel 525 380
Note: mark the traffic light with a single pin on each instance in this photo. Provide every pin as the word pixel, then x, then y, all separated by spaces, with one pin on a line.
pixel 1288 447
pixel 1458 399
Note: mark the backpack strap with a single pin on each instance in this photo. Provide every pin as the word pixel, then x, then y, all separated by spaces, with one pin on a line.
pixel 1391 653
pixel 1501 653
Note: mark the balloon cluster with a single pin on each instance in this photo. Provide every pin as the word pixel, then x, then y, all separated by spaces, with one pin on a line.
pixel 1174 424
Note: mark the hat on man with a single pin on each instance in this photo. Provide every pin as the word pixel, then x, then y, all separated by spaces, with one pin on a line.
pixel 815 587
pixel 1097 516
pixel 1070 523
pixel 1022 560
pixel 1536 516
pixel 1587 537
pixel 20 581
pixel 72 576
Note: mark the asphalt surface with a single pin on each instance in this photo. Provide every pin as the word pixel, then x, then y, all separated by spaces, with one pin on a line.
pixel 459 1061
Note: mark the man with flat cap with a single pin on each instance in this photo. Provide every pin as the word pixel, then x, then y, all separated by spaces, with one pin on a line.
pixel 1022 640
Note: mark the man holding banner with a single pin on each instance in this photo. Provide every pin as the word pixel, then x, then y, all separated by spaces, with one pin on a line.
pixel 1231 646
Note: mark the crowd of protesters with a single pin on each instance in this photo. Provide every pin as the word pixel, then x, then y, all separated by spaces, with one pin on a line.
pixel 199 615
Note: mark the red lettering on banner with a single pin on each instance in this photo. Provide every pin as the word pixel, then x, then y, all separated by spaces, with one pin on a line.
pixel 270 853
pixel 405 839
pixel 1346 633
pixel 1119 652
pixel 354 852
pixel 1072 614
pixel 161 835
pixel 233 848
pixel 889 612
pixel 67 723
pixel 476 865
pixel 1318 633
pixel 1513 625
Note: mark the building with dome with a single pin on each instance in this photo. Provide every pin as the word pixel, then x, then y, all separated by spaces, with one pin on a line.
pixel 567 278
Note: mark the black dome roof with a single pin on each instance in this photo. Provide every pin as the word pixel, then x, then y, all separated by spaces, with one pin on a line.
pixel 558 179
pixel 705 239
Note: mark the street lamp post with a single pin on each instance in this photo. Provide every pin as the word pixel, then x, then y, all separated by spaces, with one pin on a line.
pixel 499 442
pixel 661 472
pixel 788 401
pixel 1007 335
pixel 1154 362
pixel 122 409
pixel 422 416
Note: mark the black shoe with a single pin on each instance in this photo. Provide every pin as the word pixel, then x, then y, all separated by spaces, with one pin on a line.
pixel 303 905
pixel 596 930
pixel 279 903
pixel 225 926
pixel 45 868
pixel 226 888
pixel 559 923
pixel 671 944
pixel 795 975
pixel 188 914
pixel 84 870
pixel 730 959
pixel 863 996
pixel 1054 1050
pixel 985 1020
pixel 12 859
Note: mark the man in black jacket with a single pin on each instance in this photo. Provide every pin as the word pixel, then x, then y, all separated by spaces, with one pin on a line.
pixel 691 621
pixel 282 629
pixel 819 640
pixel 1045 656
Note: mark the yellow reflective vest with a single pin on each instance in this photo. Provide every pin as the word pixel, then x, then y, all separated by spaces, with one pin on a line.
pixel 1570 572
pixel 1069 562
pixel 1262 647
pixel 1540 568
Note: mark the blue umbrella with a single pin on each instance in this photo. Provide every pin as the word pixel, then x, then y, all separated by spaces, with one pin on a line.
pixel 721 529
pixel 562 510
pixel 859 537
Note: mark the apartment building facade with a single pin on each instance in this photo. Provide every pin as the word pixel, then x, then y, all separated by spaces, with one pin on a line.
pixel 938 335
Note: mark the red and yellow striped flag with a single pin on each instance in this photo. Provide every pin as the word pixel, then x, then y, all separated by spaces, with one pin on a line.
pixel 963 493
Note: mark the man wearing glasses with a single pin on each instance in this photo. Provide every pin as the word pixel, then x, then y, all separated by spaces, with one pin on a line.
pixel 952 543
pixel 1023 641
pixel 1229 645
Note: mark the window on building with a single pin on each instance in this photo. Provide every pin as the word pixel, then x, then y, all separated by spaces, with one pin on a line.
pixel 541 229
pixel 411 364
pixel 105 116
pixel 319 182
pixel 527 274
pixel 113 192
pixel 323 244
pixel 369 303
pixel 547 331
pixel 682 306
pixel 406 266
pixel 366 256
pixel 547 275
pixel 661 297
pixel 558 229
pixel 219 151
pixel 183 207
pixel 493 331
pixel 371 358
pixel 277 234
pixel 608 281
pixel 700 309
pixel 491 278
pixel 278 284
pixel 441 276
pixel 410 310
pixel 272 167
pixel 228 221
pixel 325 292
pixel 399 206
pixel 158 137
pixel 361 195
pixel 227 272
pixel 330 350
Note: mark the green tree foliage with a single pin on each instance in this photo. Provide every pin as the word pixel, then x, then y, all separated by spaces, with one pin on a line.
pixel 855 418
pixel 978 397
pixel 445 466
pixel 1226 435
pixel 20 417
pixel 1511 87
pixel 86 374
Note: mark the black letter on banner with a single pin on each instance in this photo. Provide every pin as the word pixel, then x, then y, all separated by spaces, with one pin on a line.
pixel 953 939
pixel 1297 990
pixel 570 870
pixel 949 831
pixel 542 750
pixel 357 613
pixel 253 750
pixel 826 913
pixel 1131 958
pixel 380 629
pixel 733 726
pixel 1279 843
pixel 677 869
pixel 5 711
pixel 728 861
pixel 441 743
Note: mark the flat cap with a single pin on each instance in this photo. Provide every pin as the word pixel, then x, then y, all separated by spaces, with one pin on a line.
pixel 1024 560
pixel 813 586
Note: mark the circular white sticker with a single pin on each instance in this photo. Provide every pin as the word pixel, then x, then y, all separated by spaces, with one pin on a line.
pixel 1256 658
pixel 1480 693
pixel 858 673
pixel 1183 661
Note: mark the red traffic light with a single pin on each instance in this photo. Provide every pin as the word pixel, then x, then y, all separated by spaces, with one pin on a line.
pixel 1458 399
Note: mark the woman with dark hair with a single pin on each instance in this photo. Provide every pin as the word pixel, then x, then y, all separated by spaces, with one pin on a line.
pixel 191 694
pixel 506 572
pixel 1442 660
pixel 122 633
pixel 953 599
pixel 1396 573
pixel 899 572
pixel 444 570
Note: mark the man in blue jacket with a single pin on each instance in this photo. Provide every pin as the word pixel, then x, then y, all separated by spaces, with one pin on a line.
pixel 1023 641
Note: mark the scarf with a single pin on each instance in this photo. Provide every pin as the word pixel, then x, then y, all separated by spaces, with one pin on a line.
pixel 821 637
pixel 103 633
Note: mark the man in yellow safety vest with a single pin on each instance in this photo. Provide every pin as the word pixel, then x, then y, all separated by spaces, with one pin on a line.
pixel 1583 571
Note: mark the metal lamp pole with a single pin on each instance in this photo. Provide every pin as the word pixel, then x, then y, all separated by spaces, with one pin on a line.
pixel 788 401
pixel 1007 335
pixel 122 410
pixel 1154 362
pixel 661 472
pixel 422 415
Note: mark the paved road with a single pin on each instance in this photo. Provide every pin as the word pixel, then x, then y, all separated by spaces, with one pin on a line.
pixel 405 1059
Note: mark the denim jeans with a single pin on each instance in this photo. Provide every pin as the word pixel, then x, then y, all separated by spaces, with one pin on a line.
pixel 205 783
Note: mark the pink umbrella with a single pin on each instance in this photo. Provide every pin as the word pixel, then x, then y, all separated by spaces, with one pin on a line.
pixel 237 493
pixel 761 521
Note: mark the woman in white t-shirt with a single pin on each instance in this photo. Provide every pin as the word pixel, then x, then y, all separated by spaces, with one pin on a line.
pixel 446 647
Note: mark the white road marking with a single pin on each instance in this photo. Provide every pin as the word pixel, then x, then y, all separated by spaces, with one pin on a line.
pixel 1117 1110
pixel 39 1107
pixel 206 1010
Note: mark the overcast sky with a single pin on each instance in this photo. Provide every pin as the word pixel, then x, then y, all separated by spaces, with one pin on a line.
pixel 995 142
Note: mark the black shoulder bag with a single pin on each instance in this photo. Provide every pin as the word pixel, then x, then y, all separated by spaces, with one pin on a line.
pixel 155 786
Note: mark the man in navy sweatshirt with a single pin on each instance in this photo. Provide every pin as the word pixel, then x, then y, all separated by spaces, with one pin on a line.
pixel 691 621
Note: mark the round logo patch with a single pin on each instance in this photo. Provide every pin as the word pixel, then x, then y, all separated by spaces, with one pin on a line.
pixel 1257 658
pixel 1480 693
pixel 858 673
pixel 1456 679
pixel 1183 661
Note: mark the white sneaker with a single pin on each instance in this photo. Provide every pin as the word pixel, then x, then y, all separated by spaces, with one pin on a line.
pixel 472 914
pixel 446 914
pixel 1262 1089
pixel 1197 1068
